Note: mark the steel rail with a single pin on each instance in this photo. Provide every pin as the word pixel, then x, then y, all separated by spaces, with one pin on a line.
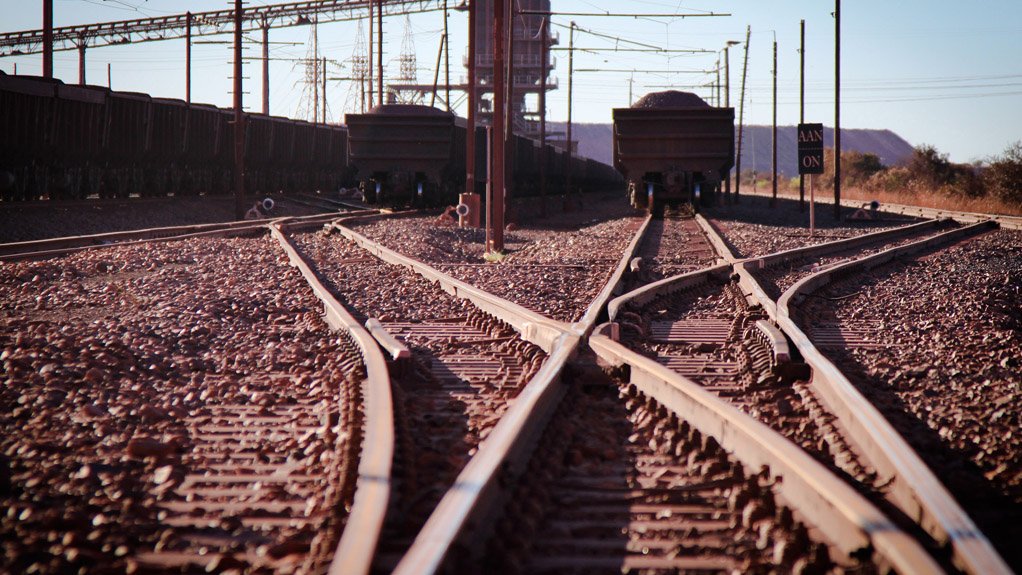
pixel 840 512
pixel 914 488
pixel 847 519
pixel 745 267
pixel 68 244
pixel 1005 221
pixel 483 486
pixel 585 325
pixel 535 328
pixel 355 550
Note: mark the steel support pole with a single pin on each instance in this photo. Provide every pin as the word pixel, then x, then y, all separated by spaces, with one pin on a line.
pixel 188 57
pixel 509 106
pixel 544 54
pixel 47 38
pixel 436 71
pixel 239 120
pixel 470 136
pixel 324 89
pixel 571 70
pixel 773 160
pixel 447 62
pixel 369 62
pixel 109 76
pixel 802 107
pixel 837 109
pixel 727 104
pixel 379 51
pixel 496 207
pixel 81 63
pixel 266 68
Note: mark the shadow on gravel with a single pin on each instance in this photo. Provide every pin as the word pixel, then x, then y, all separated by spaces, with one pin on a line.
pixel 996 514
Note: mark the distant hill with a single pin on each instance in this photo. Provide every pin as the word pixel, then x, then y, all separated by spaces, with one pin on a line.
pixel 595 141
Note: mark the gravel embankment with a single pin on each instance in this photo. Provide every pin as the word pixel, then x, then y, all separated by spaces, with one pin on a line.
pixel 946 371
pixel 555 266
pixel 752 228
pixel 113 361
pixel 20 223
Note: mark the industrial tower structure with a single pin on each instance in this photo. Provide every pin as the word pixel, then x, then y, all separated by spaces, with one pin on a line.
pixel 529 57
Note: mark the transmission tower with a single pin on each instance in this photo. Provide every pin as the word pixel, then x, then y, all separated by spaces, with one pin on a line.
pixel 358 90
pixel 309 105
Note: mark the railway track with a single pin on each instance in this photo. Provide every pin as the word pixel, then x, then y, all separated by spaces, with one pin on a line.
pixel 887 358
pixel 454 371
pixel 207 421
pixel 642 492
pixel 514 453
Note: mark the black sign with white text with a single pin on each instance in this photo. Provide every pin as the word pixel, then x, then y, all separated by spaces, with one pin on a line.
pixel 810 148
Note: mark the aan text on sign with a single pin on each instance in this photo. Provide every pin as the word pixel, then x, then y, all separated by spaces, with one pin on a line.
pixel 810 148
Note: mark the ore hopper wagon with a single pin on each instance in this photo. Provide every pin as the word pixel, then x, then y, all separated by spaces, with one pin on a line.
pixel 404 154
pixel 673 148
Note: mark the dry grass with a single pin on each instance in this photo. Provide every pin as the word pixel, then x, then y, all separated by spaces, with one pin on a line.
pixel 985 205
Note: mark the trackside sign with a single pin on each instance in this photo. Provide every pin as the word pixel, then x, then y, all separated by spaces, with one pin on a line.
pixel 810 148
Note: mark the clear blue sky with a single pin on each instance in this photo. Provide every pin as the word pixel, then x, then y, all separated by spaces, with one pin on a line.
pixel 935 72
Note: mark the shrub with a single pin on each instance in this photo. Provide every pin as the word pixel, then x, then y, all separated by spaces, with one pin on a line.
pixel 1003 177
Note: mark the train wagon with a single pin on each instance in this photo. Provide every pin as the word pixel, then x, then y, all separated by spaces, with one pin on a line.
pixel 673 148
pixel 404 153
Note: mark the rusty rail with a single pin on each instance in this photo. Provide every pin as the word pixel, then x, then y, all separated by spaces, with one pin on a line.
pixel 914 487
pixel 358 542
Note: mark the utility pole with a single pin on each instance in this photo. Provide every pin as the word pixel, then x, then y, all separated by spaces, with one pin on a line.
pixel 718 81
pixel 109 74
pixel 188 57
pixel 324 90
pixel 266 67
pixel 741 116
pixel 571 70
pixel 509 119
pixel 837 109
pixel 447 61
pixel 727 104
pixel 470 135
pixel 239 120
pixel 314 77
pixel 496 207
pixel 369 75
pixel 773 198
pixel 543 52
pixel 802 108
pixel 47 38
pixel 436 72
pixel 379 52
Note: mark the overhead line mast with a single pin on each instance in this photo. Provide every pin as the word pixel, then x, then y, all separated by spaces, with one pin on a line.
pixel 202 24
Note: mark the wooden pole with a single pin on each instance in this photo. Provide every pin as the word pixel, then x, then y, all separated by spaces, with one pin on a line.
pixel 741 116
pixel 773 197
pixel 727 104
pixel 837 109
pixel 802 108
